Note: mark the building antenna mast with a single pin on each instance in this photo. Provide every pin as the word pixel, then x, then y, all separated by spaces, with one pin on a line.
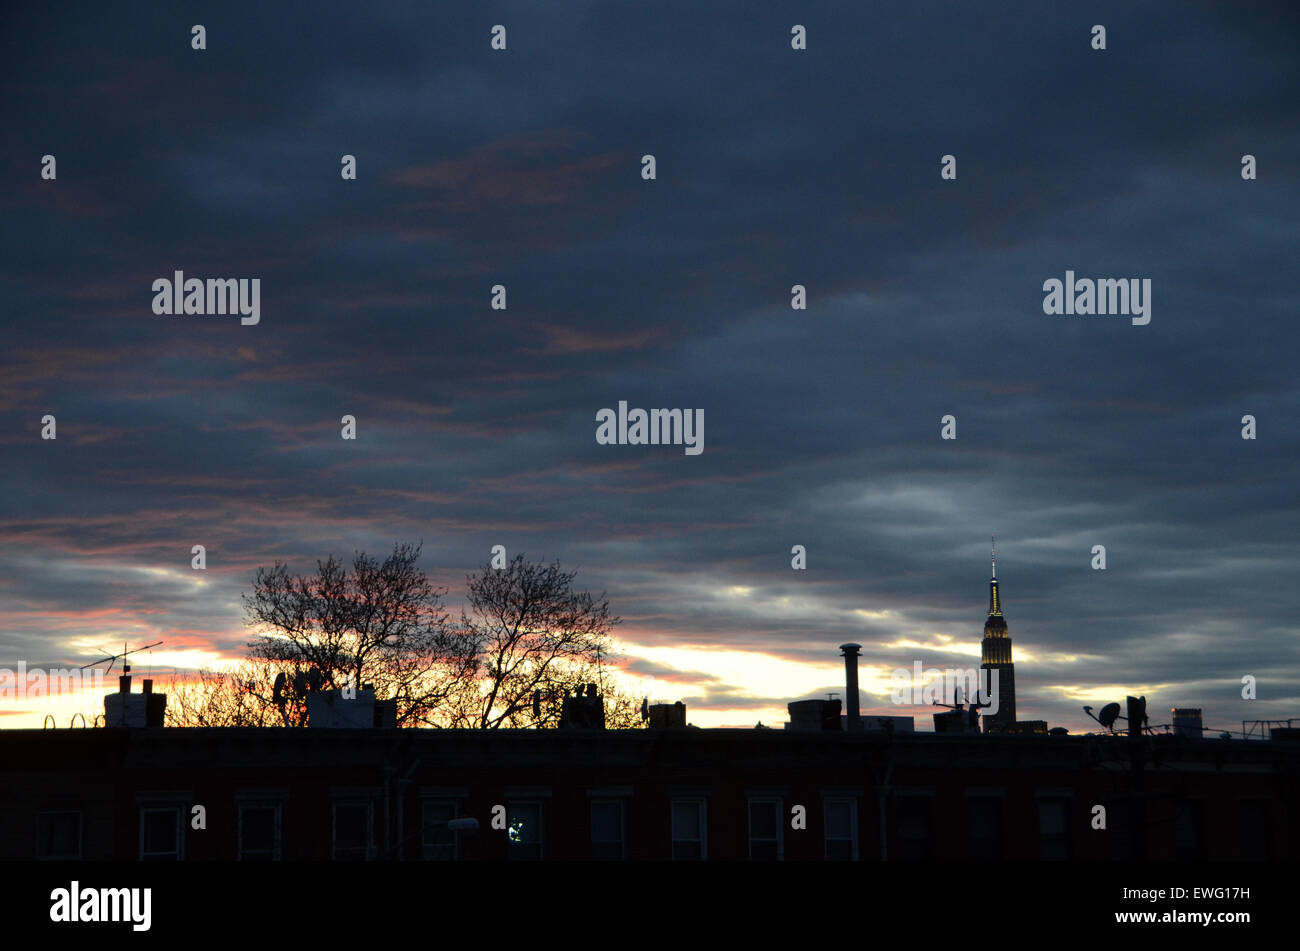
pixel 126 667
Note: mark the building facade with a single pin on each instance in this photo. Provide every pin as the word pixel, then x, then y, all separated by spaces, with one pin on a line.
pixel 657 794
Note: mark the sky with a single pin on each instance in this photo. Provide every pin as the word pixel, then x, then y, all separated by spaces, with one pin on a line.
pixel 773 167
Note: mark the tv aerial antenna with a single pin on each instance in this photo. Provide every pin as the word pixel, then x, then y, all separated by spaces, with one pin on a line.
pixel 112 658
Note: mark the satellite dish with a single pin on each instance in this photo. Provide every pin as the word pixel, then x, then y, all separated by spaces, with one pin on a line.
pixel 1108 715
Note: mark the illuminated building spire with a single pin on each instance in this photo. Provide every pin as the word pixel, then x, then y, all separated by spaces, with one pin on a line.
pixel 995 603
pixel 995 653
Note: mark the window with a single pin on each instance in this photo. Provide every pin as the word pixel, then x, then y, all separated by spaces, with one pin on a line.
pixel 841 828
pixel 984 828
pixel 912 828
pixel 524 828
pixel 259 832
pixel 354 832
pixel 160 834
pixel 689 821
pixel 1052 844
pixel 440 844
pixel 1189 832
pixel 607 829
pixel 765 829
pixel 1255 829
pixel 58 835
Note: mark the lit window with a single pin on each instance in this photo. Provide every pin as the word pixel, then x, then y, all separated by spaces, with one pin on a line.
pixel 524 830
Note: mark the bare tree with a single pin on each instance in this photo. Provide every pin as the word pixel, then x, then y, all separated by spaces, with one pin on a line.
pixel 381 623
pixel 535 636
pixel 238 697
pixel 528 641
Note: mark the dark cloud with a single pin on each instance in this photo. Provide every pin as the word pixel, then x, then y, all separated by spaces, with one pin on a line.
pixel 822 427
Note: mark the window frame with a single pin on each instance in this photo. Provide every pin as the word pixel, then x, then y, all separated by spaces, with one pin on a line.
pixel 81 834
pixel 926 797
pixel 511 806
pixel 778 802
pixel 621 841
pixel 1262 849
pixel 277 809
pixel 1193 814
pixel 997 799
pixel 851 802
pixel 352 802
pixel 178 854
pixel 425 829
pixel 702 811
pixel 1063 839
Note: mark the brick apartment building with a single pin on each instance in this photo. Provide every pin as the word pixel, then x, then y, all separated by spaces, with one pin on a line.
pixel 654 794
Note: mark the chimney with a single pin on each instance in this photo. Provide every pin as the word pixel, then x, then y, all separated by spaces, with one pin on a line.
pixel 125 709
pixel 1187 722
pixel 852 721
pixel 666 716
pixel 1137 715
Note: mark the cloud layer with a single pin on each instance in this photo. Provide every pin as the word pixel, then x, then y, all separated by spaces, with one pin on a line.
pixel 775 167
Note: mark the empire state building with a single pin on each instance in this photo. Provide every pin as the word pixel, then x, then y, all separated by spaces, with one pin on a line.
pixel 996 655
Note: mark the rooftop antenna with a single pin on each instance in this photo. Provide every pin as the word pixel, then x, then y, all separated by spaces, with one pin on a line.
pixel 126 668
pixel 993 555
